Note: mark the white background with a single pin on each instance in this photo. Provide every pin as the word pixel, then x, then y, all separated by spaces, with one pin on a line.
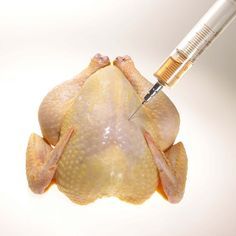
pixel 43 43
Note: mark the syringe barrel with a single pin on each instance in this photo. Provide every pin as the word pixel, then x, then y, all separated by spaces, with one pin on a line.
pixel 197 40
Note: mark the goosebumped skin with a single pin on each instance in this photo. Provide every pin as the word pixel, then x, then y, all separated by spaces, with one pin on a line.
pixel 108 155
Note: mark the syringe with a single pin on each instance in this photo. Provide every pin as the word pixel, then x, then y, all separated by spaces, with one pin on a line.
pixel 217 18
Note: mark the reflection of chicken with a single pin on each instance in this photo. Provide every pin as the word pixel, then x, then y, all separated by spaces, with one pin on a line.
pixel 98 151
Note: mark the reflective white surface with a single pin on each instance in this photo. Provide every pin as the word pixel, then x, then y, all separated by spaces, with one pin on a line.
pixel 43 43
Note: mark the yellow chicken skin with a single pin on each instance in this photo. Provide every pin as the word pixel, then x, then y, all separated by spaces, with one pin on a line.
pixel 91 150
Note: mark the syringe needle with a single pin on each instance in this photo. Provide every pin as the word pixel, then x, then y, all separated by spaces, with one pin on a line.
pixel 135 111
pixel 156 88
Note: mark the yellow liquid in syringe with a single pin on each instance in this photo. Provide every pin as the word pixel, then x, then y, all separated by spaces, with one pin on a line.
pixel 172 70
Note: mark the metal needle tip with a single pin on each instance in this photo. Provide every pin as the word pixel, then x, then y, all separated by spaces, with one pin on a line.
pixel 135 111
